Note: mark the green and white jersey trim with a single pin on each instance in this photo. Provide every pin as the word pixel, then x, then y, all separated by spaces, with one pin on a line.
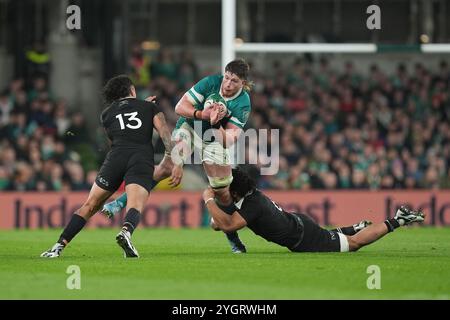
pixel 194 97
pixel 235 121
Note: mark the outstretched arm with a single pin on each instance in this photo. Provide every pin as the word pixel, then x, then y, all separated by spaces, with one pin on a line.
pixel 159 122
pixel 223 221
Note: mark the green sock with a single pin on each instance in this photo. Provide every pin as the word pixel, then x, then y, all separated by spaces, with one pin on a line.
pixel 122 200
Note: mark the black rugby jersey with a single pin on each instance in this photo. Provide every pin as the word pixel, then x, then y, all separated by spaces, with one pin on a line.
pixel 129 123
pixel 266 219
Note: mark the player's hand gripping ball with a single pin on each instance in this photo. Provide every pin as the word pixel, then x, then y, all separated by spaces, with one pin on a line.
pixel 216 107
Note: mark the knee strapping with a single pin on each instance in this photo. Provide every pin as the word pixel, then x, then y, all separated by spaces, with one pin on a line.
pixel 217 182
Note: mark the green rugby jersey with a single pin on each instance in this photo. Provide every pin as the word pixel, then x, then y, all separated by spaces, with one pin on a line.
pixel 239 106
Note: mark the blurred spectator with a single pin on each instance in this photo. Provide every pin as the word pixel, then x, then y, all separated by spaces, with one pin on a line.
pixel 164 65
pixel 77 132
pixel 5 108
pixel 379 132
pixel 187 70
pixel 23 178
pixel 31 149
pixel 76 176
pixel 140 67
pixel 338 130
pixel 61 120
pixel 4 178
pixel 38 61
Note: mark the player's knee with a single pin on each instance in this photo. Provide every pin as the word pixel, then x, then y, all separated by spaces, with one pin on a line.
pixel 353 244
pixel 220 186
pixel 220 182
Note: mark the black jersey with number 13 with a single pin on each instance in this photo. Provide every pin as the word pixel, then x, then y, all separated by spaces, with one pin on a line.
pixel 129 123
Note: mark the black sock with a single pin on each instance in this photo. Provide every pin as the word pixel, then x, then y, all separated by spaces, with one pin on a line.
pixel 348 231
pixel 132 220
pixel 75 225
pixel 233 237
pixel 392 224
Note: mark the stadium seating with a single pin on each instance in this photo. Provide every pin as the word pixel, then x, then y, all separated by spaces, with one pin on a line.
pixel 338 130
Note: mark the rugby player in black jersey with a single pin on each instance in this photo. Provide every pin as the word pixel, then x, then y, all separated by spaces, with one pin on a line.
pixel 295 231
pixel 129 124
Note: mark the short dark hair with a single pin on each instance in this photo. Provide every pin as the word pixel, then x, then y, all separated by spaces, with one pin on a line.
pixel 242 182
pixel 239 67
pixel 117 88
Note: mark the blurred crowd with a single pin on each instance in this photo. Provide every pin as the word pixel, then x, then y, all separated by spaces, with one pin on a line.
pixel 38 140
pixel 341 130
pixel 46 146
pixel 338 129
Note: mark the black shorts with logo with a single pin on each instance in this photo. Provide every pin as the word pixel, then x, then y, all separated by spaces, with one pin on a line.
pixel 316 238
pixel 129 165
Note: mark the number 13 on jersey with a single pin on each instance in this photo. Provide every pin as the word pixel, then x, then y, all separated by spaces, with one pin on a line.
pixel 131 117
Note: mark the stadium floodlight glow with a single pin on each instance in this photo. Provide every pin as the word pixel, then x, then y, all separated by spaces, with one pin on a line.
pixel 435 48
pixel 149 45
pixel 307 47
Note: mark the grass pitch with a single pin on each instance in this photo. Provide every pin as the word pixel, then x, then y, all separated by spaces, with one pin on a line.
pixel 197 264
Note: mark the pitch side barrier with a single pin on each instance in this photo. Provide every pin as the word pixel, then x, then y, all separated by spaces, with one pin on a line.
pixel 180 209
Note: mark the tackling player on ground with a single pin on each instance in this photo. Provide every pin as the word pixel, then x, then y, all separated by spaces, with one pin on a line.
pixel 295 231
pixel 195 119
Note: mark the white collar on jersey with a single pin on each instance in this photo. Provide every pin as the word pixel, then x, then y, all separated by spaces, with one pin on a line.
pixel 240 202
pixel 229 98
